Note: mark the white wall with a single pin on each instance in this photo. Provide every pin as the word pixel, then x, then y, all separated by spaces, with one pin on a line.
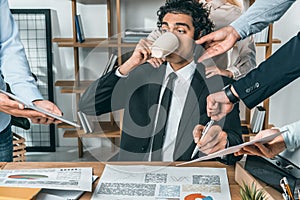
pixel 283 109
pixel 284 105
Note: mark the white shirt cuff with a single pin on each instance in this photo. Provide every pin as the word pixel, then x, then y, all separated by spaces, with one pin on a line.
pixel 117 73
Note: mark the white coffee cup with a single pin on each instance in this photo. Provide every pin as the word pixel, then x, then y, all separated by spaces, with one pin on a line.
pixel 164 45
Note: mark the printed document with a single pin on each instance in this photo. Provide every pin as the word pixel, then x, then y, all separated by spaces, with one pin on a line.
pixel 234 149
pixel 50 178
pixel 161 182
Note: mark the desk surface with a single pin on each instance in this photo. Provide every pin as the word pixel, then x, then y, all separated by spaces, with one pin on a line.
pixel 2 164
pixel 99 166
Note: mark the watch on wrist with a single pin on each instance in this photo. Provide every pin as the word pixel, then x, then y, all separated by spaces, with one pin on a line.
pixel 232 98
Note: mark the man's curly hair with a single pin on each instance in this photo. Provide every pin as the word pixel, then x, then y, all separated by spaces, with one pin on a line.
pixel 199 13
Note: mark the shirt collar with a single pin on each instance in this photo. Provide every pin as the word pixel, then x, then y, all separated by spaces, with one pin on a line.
pixel 184 73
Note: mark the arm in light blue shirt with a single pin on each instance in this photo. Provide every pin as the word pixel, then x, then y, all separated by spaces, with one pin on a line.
pixel 13 62
pixel 260 15
pixel 292 136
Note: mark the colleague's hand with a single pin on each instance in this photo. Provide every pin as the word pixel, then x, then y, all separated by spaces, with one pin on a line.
pixel 140 55
pixel 214 70
pixel 218 105
pixel 50 107
pixel 15 108
pixel 218 42
pixel 269 149
pixel 214 140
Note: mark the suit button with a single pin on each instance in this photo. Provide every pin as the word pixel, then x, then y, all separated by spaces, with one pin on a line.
pixel 248 90
pixel 257 85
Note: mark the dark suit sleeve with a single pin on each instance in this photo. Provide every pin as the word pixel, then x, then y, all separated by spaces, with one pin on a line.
pixel 271 75
pixel 232 126
pixel 97 99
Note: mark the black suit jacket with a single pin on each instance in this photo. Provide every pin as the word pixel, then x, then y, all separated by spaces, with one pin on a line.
pixel 139 93
pixel 271 75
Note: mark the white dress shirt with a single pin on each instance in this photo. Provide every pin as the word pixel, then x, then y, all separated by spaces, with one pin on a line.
pixel 181 87
pixel 180 91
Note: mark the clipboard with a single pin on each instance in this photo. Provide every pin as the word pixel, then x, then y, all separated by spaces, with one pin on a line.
pixel 33 107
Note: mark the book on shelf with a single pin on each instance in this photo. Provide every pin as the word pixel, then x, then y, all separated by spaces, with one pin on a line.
pixel 134 35
pixel 258 118
pixel 262 36
pixel 111 62
pixel 86 122
pixel 79 29
pixel 137 32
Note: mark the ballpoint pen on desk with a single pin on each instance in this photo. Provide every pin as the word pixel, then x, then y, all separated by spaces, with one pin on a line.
pixel 286 188
pixel 205 130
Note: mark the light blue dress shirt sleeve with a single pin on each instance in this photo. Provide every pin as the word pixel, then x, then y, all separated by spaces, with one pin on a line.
pixel 292 137
pixel 259 15
pixel 13 62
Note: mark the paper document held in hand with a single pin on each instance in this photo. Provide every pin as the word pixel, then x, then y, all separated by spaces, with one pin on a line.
pixel 234 149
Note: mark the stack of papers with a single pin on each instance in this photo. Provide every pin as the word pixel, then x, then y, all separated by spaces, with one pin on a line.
pixel 63 182
pixel 161 183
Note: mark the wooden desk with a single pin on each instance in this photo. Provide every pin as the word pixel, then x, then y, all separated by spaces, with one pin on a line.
pixel 98 169
pixel 2 164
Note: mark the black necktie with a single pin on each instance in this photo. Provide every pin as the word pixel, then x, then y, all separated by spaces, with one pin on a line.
pixel 162 119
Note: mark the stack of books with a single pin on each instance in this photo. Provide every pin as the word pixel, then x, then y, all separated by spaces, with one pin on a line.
pixel 134 35
pixel 258 118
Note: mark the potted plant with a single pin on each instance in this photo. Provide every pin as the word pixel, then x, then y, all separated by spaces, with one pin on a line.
pixel 251 192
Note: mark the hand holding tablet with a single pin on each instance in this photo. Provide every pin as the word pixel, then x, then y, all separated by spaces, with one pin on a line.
pixel 33 107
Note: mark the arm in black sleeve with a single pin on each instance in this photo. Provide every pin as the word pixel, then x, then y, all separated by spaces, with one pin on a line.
pixel 271 75
pixel 232 126
pixel 97 99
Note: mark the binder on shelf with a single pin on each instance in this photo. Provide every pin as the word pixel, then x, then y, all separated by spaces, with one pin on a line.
pixel 110 63
pixel 258 119
pixel 79 29
pixel 86 123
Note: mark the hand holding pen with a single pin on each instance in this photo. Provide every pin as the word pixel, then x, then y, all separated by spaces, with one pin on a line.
pixel 213 138
pixel 205 130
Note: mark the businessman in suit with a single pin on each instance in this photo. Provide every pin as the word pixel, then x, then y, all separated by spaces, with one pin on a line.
pixel 152 131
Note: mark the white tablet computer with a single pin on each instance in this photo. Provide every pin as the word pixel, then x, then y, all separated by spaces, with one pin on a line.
pixel 33 107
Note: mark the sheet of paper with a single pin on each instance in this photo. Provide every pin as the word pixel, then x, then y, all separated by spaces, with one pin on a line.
pixel 50 194
pixel 33 107
pixel 161 183
pixel 51 178
pixel 234 149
